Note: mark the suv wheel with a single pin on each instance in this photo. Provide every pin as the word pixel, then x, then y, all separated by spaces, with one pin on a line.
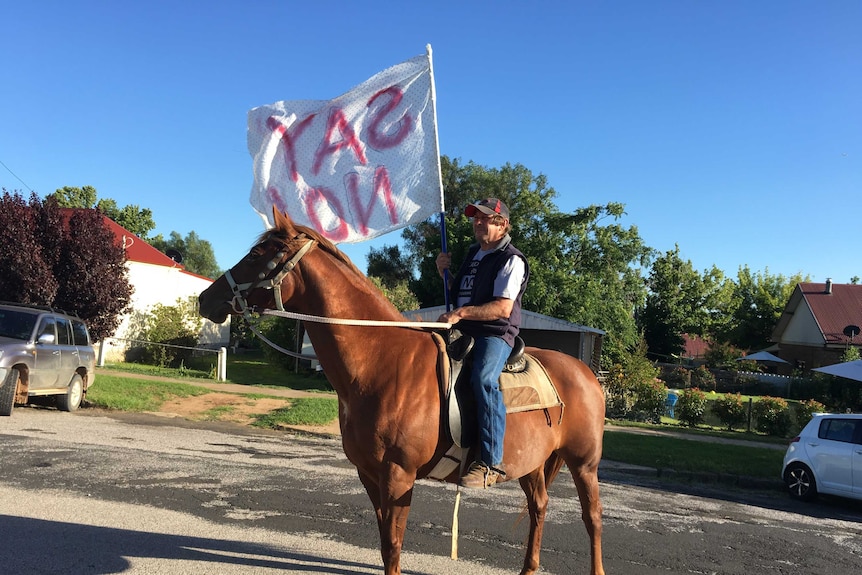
pixel 7 392
pixel 800 482
pixel 72 399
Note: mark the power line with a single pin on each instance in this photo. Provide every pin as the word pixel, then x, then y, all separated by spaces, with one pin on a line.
pixel 16 175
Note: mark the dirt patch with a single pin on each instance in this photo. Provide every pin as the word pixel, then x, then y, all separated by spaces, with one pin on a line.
pixel 222 407
pixel 232 408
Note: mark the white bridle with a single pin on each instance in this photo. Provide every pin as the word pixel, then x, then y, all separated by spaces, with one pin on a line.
pixel 239 304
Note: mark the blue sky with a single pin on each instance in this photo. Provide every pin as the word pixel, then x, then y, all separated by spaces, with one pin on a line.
pixel 733 128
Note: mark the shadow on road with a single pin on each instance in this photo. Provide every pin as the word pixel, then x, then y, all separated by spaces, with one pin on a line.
pixel 39 546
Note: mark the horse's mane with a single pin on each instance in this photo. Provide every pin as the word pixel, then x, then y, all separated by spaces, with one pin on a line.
pixel 323 243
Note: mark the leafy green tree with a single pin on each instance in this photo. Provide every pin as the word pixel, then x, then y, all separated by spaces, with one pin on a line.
pixel 71 197
pixel 399 294
pixel 759 300
pixel 584 266
pixel 672 304
pixel 389 266
pixel 680 301
pixel 135 219
pixel 72 262
pixel 198 255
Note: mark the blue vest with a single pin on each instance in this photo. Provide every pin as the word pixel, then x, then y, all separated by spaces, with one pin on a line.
pixel 483 292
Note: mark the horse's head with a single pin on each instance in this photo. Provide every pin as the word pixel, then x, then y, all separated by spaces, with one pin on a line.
pixel 262 278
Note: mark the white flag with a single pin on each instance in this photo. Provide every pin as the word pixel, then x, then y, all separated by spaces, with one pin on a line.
pixel 354 167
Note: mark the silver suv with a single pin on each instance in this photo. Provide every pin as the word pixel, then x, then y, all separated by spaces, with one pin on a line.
pixel 43 352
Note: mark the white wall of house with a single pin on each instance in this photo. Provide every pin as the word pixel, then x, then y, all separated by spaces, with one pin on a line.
pixel 155 284
pixel 802 329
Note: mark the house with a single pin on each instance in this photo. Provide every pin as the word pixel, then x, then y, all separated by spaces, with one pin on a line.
pixel 156 279
pixel 538 330
pixel 818 324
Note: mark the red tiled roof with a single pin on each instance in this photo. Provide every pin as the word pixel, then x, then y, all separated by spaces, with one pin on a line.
pixel 834 311
pixel 695 347
pixel 137 250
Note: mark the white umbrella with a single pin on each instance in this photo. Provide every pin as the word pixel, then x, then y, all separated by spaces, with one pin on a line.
pixel 848 369
pixel 762 356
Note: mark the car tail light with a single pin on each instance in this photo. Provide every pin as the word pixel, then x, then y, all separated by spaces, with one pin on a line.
pixel 795 439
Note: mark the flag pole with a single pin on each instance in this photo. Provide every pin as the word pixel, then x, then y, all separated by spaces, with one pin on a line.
pixel 443 243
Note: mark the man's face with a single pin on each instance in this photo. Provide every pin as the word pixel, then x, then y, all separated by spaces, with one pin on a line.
pixel 485 229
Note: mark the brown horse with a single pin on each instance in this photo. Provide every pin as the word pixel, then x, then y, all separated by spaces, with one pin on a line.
pixel 389 399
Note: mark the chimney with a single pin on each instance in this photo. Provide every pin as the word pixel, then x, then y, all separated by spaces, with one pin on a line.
pixel 828 285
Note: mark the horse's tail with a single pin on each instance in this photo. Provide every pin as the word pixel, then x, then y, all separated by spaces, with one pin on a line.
pixel 552 468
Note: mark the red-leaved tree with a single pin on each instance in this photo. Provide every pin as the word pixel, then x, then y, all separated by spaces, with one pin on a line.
pixel 68 259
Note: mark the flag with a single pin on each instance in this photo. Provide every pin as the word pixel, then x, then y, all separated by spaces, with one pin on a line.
pixel 354 167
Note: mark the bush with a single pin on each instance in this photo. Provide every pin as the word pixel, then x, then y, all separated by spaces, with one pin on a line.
pixel 650 397
pixel 772 416
pixel 722 356
pixel 691 406
pixel 626 380
pixel 166 326
pixel 805 409
pixel 679 377
pixel 281 332
pixel 702 378
pixel 730 410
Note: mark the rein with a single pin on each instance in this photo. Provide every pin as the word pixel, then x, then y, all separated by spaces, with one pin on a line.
pixel 240 305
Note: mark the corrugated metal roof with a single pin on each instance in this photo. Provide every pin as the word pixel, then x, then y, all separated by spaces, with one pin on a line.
pixel 530 320
pixel 836 310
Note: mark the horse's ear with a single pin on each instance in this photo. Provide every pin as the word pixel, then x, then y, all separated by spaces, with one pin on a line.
pixel 281 220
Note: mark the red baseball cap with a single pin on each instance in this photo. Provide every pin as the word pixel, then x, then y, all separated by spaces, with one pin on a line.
pixel 488 206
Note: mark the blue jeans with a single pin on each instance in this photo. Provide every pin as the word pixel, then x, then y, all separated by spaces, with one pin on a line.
pixel 489 359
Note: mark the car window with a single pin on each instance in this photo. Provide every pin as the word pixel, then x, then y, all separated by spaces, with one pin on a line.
pixel 64 336
pixel 79 331
pixel 837 429
pixel 46 326
pixel 17 324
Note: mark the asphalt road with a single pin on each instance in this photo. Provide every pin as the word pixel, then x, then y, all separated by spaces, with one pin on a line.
pixel 87 493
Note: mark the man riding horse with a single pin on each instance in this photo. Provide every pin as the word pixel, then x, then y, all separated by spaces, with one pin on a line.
pixel 487 292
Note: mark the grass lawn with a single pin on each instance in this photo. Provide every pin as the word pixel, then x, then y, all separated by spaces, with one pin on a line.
pixel 686 455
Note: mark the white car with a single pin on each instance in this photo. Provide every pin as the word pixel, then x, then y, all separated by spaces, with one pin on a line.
pixel 826 457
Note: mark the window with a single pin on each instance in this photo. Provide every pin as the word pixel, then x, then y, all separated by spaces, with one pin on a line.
pixel 836 429
pixel 79 331
pixel 63 331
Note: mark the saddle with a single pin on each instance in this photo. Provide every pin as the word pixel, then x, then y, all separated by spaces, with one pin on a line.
pixel 524 383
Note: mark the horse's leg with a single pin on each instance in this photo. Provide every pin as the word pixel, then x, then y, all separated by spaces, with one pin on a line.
pixel 587 481
pixel 391 498
pixel 536 491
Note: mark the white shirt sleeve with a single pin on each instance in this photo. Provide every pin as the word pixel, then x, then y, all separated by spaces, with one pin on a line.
pixel 507 284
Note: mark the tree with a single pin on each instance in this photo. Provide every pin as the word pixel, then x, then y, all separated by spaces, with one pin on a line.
pixel 399 294
pixel 759 300
pixel 583 268
pixel 198 255
pixel 389 266
pixel 135 219
pixel 25 275
pixel 73 263
pixel 682 301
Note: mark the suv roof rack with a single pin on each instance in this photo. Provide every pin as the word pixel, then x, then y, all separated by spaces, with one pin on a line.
pixel 40 307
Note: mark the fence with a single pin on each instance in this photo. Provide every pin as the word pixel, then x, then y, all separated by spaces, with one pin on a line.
pixel 221 362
